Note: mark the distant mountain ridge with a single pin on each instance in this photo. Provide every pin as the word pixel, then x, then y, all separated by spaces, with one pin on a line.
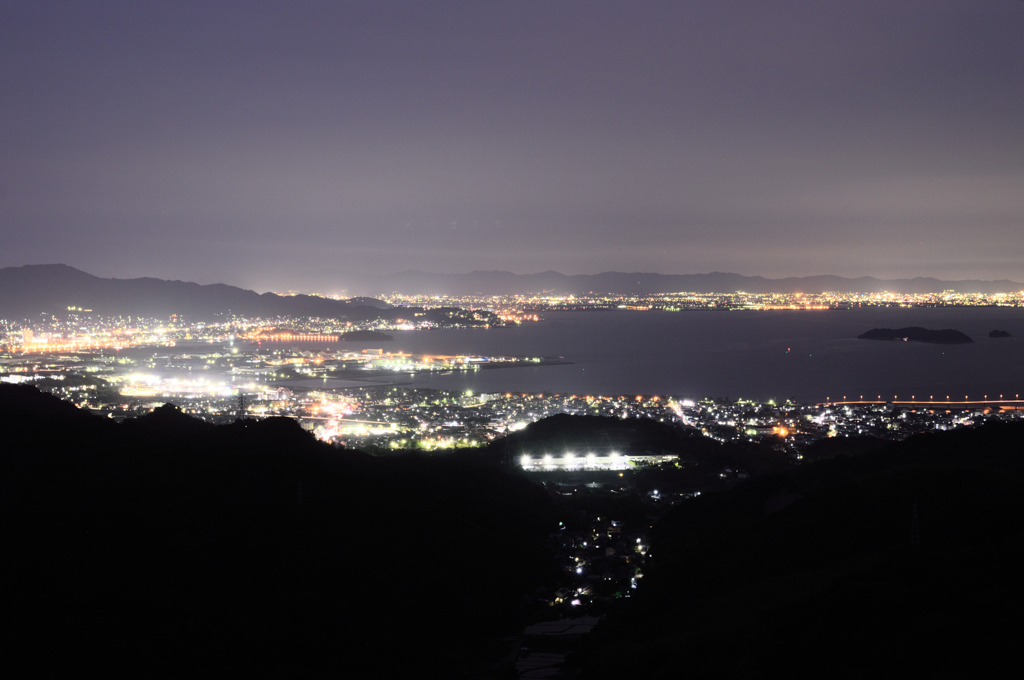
pixel 34 289
pixel 31 290
pixel 508 283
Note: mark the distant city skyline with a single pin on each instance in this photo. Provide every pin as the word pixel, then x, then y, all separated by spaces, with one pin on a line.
pixel 265 144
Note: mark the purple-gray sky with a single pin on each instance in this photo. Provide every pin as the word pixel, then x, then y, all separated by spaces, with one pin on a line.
pixel 259 143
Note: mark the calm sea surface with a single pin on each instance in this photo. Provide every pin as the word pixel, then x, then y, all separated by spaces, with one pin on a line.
pixel 807 356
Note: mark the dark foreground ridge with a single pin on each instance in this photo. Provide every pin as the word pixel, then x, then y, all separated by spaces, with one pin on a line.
pixel 166 546
pixel 902 560
pixel 946 336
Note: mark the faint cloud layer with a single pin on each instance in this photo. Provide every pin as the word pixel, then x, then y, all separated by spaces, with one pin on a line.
pixel 240 141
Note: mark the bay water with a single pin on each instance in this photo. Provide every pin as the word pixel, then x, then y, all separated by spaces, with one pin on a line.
pixel 807 356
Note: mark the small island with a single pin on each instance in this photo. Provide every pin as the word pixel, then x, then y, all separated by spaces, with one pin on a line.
pixel 999 334
pixel 946 336
pixel 365 336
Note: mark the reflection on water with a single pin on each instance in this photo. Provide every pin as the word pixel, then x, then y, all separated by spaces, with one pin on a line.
pixel 807 356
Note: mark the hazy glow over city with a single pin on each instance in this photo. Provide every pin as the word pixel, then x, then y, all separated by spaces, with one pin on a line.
pixel 309 145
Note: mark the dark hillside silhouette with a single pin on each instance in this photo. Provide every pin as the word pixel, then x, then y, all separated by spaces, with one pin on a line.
pixel 901 560
pixel 165 546
pixel 34 289
pixel 700 458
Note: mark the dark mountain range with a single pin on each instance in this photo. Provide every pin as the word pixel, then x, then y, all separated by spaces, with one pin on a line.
pixel 899 560
pixel 166 546
pixel 34 289
pixel 507 283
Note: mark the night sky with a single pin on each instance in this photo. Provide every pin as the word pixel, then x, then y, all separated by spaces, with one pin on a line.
pixel 268 144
